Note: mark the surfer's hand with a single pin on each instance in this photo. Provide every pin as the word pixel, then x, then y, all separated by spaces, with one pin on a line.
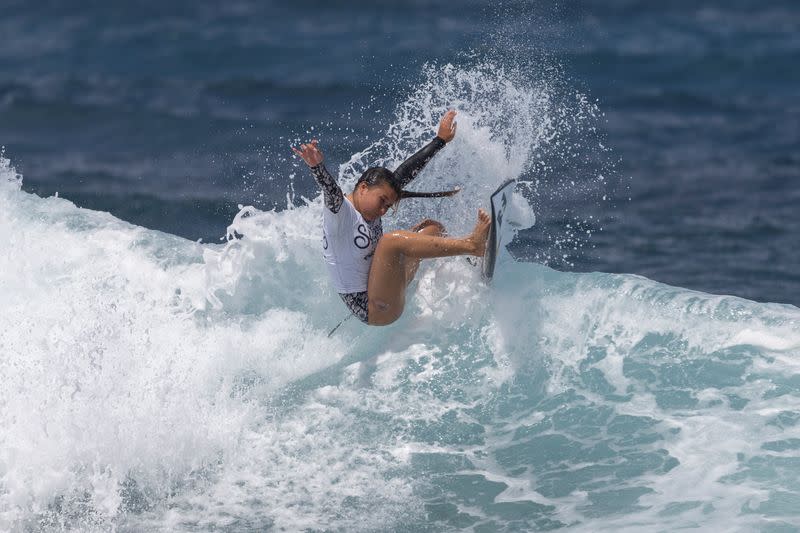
pixel 309 153
pixel 447 126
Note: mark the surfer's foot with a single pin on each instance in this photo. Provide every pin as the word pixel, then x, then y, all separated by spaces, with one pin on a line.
pixel 480 233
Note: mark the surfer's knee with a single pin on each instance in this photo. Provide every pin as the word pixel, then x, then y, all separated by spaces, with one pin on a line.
pixel 432 227
pixel 382 313
pixel 382 321
pixel 394 240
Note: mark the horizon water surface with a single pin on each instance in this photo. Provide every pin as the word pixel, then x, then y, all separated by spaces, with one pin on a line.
pixel 154 382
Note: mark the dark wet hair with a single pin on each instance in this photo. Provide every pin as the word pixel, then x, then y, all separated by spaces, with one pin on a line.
pixel 377 175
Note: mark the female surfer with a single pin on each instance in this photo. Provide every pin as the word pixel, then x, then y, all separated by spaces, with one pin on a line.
pixel 369 270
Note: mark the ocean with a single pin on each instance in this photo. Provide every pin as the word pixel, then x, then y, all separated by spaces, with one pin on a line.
pixel 165 310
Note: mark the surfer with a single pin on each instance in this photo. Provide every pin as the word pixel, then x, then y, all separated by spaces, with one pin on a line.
pixel 369 270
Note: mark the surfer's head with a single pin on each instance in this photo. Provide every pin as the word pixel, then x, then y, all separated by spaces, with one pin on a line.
pixel 375 192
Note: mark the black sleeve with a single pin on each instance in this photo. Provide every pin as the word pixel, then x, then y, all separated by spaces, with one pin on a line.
pixel 414 164
pixel 330 189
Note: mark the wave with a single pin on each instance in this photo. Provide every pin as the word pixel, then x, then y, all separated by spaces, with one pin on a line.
pixel 152 382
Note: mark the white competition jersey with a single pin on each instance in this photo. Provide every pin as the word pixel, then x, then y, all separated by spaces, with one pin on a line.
pixel 348 244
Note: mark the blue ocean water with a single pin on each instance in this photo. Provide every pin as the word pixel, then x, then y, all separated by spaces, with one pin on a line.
pixel 633 367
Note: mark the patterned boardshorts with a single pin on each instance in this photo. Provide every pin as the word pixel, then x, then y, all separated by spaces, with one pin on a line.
pixel 357 303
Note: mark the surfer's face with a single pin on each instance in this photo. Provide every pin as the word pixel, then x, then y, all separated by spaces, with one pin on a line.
pixel 372 201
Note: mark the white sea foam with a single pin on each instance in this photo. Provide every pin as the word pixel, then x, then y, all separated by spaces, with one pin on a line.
pixel 156 383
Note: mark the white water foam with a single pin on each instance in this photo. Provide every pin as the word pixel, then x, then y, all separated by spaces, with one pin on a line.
pixel 156 383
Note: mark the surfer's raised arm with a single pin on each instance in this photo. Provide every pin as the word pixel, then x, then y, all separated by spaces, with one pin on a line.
pixel 311 154
pixel 412 166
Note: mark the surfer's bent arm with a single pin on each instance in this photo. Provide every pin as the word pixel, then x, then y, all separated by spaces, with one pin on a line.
pixel 330 189
pixel 414 164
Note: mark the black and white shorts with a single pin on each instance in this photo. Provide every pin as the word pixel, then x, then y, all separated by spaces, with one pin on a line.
pixel 357 303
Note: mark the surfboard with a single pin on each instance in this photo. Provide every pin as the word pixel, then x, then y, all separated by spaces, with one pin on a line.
pixel 499 201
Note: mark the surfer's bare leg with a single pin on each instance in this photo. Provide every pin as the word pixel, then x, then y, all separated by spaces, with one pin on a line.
pixel 427 223
pixel 388 274
pixel 428 227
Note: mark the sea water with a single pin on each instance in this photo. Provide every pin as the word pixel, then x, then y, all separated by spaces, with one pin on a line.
pixel 156 383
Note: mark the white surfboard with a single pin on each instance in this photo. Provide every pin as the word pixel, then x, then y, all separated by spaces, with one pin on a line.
pixel 499 202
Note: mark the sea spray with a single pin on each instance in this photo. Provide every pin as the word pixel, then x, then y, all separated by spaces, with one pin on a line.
pixel 523 124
